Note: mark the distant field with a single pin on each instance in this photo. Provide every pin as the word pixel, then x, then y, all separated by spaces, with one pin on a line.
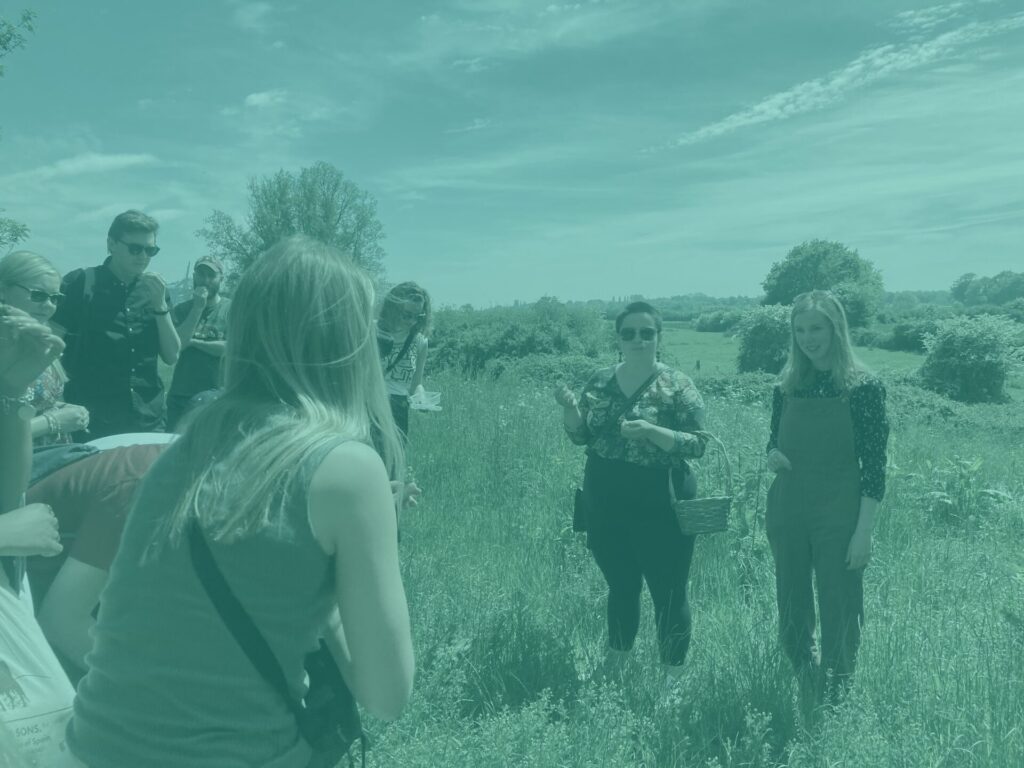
pixel 717 353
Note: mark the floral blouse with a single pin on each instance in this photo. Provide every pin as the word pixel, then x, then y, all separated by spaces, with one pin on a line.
pixel 47 393
pixel 870 426
pixel 671 401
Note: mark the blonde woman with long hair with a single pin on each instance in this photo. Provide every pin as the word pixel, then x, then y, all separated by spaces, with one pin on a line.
pixel 281 477
pixel 29 282
pixel 829 431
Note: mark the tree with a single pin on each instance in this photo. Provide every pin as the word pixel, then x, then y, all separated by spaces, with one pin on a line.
pixel 12 37
pixel 764 339
pixel 959 289
pixel 826 265
pixel 318 201
pixel 970 358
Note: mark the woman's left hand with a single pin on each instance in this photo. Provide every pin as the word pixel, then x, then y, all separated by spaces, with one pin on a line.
pixel 636 429
pixel 858 554
pixel 27 347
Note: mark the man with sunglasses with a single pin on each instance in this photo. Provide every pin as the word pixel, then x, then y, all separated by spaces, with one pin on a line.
pixel 117 324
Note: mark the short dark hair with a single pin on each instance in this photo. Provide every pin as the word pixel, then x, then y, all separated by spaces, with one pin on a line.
pixel 638 308
pixel 131 221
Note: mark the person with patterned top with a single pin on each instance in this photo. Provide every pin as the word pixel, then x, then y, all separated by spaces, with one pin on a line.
pixel 29 282
pixel 640 420
pixel 402 338
pixel 828 451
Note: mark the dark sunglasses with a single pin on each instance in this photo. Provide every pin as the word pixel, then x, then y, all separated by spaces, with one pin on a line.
pixel 38 297
pixel 412 315
pixel 135 249
pixel 646 334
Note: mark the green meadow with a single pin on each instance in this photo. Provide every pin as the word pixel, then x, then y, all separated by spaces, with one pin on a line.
pixel 508 606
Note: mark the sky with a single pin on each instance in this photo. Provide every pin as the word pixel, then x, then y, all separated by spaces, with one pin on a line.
pixel 519 149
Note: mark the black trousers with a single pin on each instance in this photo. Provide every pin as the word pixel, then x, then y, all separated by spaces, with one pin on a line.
pixel 633 534
pixel 400 412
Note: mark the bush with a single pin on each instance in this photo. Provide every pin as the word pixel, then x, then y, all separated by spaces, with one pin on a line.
pixel 909 335
pixel 718 321
pixel 470 341
pixel 969 358
pixel 868 337
pixel 764 339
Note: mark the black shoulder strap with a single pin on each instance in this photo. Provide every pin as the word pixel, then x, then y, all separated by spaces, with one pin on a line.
pixel 637 395
pixel 238 622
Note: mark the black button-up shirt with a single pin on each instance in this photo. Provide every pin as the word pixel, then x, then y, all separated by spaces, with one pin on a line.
pixel 112 346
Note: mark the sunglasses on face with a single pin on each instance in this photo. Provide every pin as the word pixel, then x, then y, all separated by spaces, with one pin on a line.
pixel 135 249
pixel 646 334
pixel 38 297
pixel 412 316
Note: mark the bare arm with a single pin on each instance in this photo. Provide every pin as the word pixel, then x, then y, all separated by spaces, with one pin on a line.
pixel 215 348
pixel 421 365
pixel 170 344
pixel 352 514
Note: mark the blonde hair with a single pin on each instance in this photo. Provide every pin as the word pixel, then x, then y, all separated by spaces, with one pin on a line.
pixel 24 267
pixel 847 370
pixel 301 369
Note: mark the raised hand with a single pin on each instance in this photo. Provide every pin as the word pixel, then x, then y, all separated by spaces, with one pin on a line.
pixel 156 289
pixel 565 397
pixel 27 347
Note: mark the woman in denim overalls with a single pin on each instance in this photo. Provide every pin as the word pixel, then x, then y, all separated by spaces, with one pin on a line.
pixel 827 448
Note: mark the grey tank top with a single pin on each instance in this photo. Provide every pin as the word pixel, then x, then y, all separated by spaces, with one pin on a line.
pixel 168 686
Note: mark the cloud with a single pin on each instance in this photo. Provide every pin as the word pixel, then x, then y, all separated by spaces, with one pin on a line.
pixel 871 66
pixel 84 163
pixel 266 98
pixel 498 30
pixel 478 123
pixel 252 17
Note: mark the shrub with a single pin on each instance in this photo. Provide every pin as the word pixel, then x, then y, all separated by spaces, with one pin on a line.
pixel 909 335
pixel 718 321
pixel 470 341
pixel 764 339
pixel 969 358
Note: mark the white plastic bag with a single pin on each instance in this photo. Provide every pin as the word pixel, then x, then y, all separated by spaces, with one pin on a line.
pixel 421 400
pixel 35 695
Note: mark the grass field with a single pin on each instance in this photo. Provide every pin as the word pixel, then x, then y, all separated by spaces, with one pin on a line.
pixel 508 607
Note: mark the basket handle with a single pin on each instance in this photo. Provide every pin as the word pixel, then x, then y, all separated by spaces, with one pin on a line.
pixel 723 454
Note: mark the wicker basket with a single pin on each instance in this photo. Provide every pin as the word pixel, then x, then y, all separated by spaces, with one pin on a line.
pixel 710 514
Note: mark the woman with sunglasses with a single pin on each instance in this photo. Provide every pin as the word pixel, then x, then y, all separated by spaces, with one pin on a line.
pixel 639 420
pixel 402 337
pixel 31 283
pixel 827 448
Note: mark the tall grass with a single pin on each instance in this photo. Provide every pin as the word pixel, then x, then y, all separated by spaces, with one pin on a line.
pixel 508 610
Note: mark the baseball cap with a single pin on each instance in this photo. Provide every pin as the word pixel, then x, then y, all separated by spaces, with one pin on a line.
pixel 211 262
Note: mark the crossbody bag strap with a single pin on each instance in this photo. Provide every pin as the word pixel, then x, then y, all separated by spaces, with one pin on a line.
pixel 636 395
pixel 235 618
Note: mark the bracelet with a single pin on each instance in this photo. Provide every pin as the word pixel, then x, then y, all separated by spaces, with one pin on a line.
pixel 154 312
pixel 22 406
pixel 53 428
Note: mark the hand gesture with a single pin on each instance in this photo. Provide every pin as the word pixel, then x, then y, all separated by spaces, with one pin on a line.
pixel 71 418
pixel 406 494
pixel 565 397
pixel 200 294
pixel 155 289
pixel 635 429
pixel 859 552
pixel 30 530
pixel 27 347
pixel 777 461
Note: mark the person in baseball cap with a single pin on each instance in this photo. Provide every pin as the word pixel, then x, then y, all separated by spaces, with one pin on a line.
pixel 202 323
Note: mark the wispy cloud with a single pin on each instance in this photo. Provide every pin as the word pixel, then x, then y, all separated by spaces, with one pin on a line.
pixel 478 124
pixel 85 163
pixel 487 31
pixel 263 99
pixel 251 16
pixel 871 66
